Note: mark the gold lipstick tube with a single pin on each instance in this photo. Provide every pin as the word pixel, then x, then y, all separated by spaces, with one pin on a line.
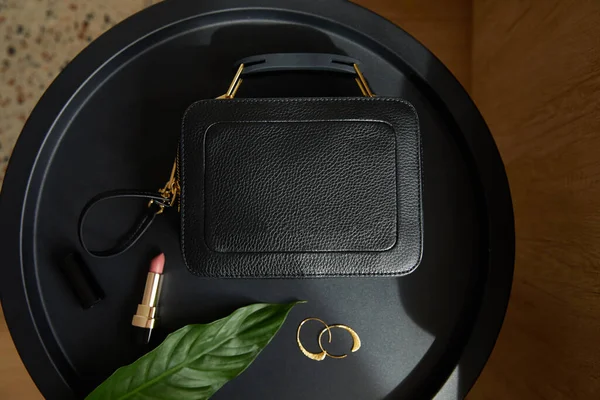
pixel 145 317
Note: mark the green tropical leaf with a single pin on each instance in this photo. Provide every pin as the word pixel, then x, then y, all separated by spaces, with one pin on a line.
pixel 197 360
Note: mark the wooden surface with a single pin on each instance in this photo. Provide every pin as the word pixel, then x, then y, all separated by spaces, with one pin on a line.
pixel 536 80
pixel 15 382
pixel 443 26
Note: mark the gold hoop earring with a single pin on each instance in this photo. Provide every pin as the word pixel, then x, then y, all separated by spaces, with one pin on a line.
pixel 313 356
pixel 356 343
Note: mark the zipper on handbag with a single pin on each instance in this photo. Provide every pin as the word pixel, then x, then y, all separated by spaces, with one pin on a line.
pixel 171 191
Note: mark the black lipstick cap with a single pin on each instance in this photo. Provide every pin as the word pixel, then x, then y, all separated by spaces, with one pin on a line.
pixel 81 280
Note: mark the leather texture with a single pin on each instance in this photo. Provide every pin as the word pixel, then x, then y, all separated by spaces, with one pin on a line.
pixel 302 187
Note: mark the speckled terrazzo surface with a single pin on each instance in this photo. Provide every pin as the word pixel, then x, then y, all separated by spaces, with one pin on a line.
pixel 38 38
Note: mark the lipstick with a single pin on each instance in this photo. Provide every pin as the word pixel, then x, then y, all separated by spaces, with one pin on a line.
pixel 145 317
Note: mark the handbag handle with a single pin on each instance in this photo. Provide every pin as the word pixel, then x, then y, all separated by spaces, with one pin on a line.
pixel 278 62
pixel 297 62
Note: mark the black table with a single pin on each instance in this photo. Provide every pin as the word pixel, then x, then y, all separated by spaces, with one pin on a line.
pixel 111 120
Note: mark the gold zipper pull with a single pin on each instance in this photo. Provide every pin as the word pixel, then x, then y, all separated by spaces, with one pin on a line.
pixel 171 189
pixel 169 192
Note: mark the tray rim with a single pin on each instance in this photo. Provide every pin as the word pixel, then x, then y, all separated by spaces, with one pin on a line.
pixel 22 176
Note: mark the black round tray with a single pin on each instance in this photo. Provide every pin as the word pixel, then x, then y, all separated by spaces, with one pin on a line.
pixel 112 119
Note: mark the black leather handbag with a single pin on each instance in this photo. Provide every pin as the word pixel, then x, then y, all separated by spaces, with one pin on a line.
pixel 293 187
